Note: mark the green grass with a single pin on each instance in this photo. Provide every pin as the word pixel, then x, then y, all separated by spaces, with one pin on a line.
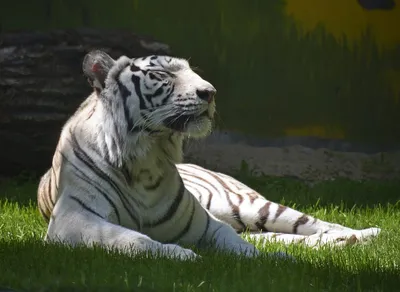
pixel 26 264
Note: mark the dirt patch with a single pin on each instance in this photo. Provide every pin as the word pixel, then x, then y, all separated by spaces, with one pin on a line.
pixel 298 161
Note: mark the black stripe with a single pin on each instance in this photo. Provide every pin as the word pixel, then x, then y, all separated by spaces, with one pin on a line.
pixel 125 93
pixel 117 133
pixel 163 74
pixel 158 92
pixel 206 186
pixel 84 206
pixel 136 82
pixel 172 75
pixel 263 214
pixel 235 208
pixel 168 95
pixel 49 188
pixel 150 176
pixel 43 213
pixel 211 238
pixel 115 209
pixel 188 224
pixel 303 219
pixel 172 209
pixel 236 215
pixel 93 147
pixel 202 237
pixel 104 149
pixel 134 68
pixel 81 155
pixel 155 185
pixel 209 201
pixel 149 99
pixel 45 193
pixel 91 182
pixel 126 174
pixel 278 213
pixel 90 163
pixel 56 185
pixel 114 147
pixel 153 76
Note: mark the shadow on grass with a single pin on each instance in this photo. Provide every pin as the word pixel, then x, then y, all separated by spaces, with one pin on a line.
pixel 288 191
pixel 82 269
pixel 22 189
pixel 341 192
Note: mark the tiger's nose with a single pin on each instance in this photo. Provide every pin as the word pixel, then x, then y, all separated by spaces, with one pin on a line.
pixel 207 94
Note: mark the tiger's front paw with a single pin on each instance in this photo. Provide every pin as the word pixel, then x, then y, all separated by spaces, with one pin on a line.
pixel 243 249
pixel 176 252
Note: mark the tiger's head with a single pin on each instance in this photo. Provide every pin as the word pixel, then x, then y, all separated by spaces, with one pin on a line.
pixel 152 94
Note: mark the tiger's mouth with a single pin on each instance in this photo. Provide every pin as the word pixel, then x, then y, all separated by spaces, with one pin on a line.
pixel 180 123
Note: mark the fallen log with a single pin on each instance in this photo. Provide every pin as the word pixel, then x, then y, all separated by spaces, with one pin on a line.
pixel 41 85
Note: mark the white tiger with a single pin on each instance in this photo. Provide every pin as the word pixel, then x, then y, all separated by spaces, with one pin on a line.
pixel 117 180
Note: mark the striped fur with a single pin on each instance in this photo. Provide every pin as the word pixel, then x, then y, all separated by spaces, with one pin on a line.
pixel 114 181
pixel 117 178
pixel 246 210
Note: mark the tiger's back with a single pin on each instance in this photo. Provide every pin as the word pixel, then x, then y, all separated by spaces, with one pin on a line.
pixel 47 193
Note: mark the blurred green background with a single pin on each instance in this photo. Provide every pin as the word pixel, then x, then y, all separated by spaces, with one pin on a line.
pixel 327 69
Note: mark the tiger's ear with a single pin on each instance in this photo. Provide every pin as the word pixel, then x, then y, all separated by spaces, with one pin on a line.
pixel 96 65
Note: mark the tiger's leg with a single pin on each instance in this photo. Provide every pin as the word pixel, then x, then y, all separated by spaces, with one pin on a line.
pixel 223 237
pixel 244 209
pixel 75 221
pixel 283 224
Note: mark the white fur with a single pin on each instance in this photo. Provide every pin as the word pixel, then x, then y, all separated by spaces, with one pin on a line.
pixel 122 218
pixel 315 233
pixel 117 171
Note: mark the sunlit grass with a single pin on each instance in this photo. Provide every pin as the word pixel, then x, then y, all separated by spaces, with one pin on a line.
pixel 27 264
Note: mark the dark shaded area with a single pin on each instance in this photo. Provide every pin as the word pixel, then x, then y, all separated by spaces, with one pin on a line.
pixel 42 84
pixel 345 193
pixel 275 83
pixel 95 270
pixel 377 4
pixel 222 137
pixel 22 190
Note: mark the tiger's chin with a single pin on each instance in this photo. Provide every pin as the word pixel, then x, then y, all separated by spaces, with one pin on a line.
pixel 192 126
pixel 199 128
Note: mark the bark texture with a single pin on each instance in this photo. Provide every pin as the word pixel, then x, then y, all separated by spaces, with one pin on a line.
pixel 41 85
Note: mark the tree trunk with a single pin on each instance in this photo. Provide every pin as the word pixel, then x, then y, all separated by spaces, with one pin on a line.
pixel 41 85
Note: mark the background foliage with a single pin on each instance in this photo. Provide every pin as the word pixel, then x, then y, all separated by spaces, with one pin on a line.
pixel 329 70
